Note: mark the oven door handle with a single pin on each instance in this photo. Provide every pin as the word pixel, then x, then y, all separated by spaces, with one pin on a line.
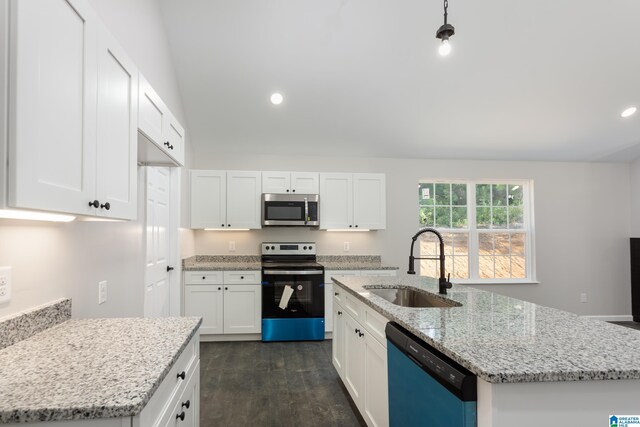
pixel 293 272
pixel 306 209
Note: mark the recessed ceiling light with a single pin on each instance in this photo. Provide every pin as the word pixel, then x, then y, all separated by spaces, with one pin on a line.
pixel 629 112
pixel 276 98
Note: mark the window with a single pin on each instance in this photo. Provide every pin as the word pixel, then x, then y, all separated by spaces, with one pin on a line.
pixel 486 227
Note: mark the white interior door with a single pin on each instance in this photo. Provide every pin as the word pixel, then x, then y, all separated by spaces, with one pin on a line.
pixel 158 223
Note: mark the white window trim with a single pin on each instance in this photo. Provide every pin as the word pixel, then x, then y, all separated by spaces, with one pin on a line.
pixel 528 221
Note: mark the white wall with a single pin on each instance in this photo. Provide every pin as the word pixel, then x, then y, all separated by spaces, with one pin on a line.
pixel 581 219
pixel 68 260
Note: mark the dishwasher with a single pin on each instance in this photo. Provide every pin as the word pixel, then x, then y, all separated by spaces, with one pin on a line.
pixel 427 388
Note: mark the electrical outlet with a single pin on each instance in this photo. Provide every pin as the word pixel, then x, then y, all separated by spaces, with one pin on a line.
pixel 346 247
pixel 102 292
pixel 5 284
pixel 232 246
pixel 583 297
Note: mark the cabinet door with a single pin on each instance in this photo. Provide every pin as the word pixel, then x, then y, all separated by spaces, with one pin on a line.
pixel 205 301
pixel 117 179
pixel 208 199
pixel 305 182
pixel 52 90
pixel 328 307
pixel 369 201
pixel 375 399
pixel 151 112
pixel 353 358
pixel 242 309
pixel 243 199
pixel 337 340
pixel 336 200
pixel 276 182
pixel 173 134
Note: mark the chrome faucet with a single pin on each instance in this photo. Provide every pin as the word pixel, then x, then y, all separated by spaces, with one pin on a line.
pixel 443 283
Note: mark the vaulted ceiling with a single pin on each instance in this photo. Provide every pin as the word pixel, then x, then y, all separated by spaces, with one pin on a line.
pixel 526 80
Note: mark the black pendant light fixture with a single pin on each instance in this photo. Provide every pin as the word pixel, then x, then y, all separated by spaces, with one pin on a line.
pixel 444 32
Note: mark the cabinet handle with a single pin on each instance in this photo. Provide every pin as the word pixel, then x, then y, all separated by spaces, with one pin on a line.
pixel 293 191
pixel 242 277
pixel 219 288
pixel 356 225
pixel 106 206
pixel 361 334
pixel 181 416
pixel 167 144
pixel 339 313
pixel 226 289
pixel 171 147
pixel 357 331
pixel 186 404
pixel 171 268
pixel 204 277
pixel 287 191
pixel 182 375
pixel 350 225
pixel 95 204
pixel 228 225
pixel 336 293
pixel 222 225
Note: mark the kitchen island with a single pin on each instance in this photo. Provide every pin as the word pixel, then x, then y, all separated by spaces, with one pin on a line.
pixel 106 372
pixel 534 364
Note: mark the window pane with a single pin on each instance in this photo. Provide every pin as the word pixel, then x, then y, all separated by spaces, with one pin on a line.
pixel 459 217
pixel 443 194
pixel 460 243
pixel 499 218
pixel 428 244
pixel 515 195
pixel 458 194
pixel 515 217
pixel 501 244
pixel 502 267
pixel 483 217
pixel 499 195
pixel 443 216
pixel 428 268
pixel 460 267
pixel 483 195
pixel 486 267
pixel 518 267
pixel 485 243
pixel 425 194
pixel 517 243
pixel 426 216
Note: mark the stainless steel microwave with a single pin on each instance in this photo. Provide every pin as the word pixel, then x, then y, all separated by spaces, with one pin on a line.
pixel 291 210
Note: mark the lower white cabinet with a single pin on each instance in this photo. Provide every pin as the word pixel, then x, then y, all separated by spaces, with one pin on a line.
pixel 229 303
pixel 359 355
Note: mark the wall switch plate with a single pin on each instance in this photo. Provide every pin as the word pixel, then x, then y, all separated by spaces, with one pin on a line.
pixel 583 297
pixel 5 284
pixel 102 292
pixel 346 247
pixel 232 246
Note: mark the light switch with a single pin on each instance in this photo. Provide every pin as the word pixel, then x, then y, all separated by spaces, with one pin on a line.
pixel 102 292
pixel 232 246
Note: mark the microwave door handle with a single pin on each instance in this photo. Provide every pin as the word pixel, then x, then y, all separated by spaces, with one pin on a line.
pixel 306 209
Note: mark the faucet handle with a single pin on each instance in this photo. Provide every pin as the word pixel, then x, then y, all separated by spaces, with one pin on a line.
pixel 449 285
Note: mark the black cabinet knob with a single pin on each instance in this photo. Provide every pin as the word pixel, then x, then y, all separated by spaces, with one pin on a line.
pixel 339 313
pixel 360 334
pixel 182 375
pixel 226 289
pixel 222 225
pixel 336 293
pixel 171 268
pixel 357 331
pixel 106 206
pixel 95 204
pixel 294 191
pixel 171 147
pixel 350 225
pixel 356 225
pixel 219 288
pixel 203 277
pixel 180 416
pixel 242 277
pixel 228 225
pixel 287 191
pixel 186 404
pixel 167 144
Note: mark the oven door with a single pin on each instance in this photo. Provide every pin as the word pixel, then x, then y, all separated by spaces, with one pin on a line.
pixel 290 294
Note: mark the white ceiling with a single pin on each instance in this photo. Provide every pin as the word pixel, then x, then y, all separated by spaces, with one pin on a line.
pixel 527 79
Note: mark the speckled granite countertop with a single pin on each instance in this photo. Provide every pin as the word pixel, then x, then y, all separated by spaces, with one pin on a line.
pixel 506 340
pixel 94 368
pixel 252 262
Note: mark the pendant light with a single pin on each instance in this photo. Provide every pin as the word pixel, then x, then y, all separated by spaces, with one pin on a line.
pixel 444 32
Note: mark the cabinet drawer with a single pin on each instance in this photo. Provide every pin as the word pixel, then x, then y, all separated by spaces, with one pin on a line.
pixel 242 277
pixel 353 307
pixel 177 413
pixel 329 273
pixel 375 323
pixel 338 294
pixel 203 277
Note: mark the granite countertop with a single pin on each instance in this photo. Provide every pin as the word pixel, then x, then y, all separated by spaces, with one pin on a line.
pixel 93 368
pixel 252 262
pixel 506 340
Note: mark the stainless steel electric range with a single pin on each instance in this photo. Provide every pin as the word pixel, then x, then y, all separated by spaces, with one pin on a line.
pixel 292 292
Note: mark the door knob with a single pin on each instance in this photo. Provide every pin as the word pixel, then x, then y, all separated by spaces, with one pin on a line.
pixel 171 268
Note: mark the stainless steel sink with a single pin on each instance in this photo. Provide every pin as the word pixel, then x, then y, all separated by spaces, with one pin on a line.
pixel 412 298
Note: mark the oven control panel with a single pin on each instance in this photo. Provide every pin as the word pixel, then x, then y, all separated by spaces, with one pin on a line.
pixel 281 248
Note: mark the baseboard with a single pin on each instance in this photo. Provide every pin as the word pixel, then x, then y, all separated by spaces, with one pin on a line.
pixel 617 318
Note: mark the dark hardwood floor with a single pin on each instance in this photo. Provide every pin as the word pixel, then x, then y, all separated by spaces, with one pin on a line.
pixel 634 325
pixel 281 384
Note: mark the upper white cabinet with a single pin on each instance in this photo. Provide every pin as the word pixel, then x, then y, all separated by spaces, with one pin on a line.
pixel 225 199
pixel 352 201
pixel 161 136
pixel 290 182
pixel 72 108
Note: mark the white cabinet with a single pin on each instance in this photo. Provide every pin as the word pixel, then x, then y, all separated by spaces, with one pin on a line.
pixel 359 356
pixel 290 182
pixel 72 108
pixel 225 199
pixel 161 136
pixel 352 201
pixel 328 307
pixel 229 302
